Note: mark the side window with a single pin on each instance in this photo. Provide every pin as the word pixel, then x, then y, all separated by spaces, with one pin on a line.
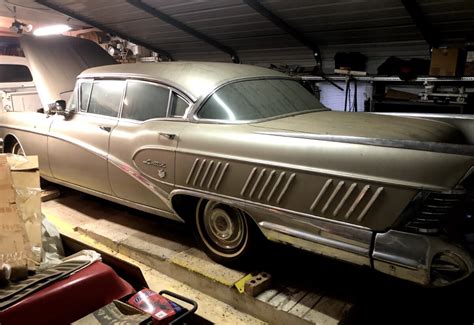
pixel 15 73
pixel 85 92
pixel 178 106
pixel 144 101
pixel 105 97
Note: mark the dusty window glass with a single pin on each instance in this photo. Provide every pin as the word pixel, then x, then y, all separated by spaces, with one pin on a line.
pixel 15 73
pixel 144 101
pixel 178 106
pixel 257 99
pixel 105 97
pixel 86 88
pixel 72 102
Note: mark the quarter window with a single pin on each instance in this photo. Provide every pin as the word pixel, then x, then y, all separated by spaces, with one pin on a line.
pixel 105 98
pixel 86 88
pixel 178 106
pixel 72 102
pixel 144 101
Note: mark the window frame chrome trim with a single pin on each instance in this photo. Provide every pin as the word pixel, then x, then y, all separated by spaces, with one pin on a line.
pixel 127 81
pixel 90 96
pixel 167 117
pixel 79 93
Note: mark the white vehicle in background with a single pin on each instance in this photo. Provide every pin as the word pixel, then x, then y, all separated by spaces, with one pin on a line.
pixel 17 90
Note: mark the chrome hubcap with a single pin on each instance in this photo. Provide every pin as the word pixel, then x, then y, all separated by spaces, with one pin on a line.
pixel 224 225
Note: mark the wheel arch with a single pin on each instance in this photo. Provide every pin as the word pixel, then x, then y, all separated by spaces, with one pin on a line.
pixel 8 142
pixel 184 203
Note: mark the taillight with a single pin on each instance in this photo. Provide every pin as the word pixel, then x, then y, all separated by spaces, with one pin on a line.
pixel 429 212
pixel 447 268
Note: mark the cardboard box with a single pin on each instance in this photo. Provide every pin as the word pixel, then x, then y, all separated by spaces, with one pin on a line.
pixel 14 245
pixel 469 66
pixel 25 184
pixel 447 62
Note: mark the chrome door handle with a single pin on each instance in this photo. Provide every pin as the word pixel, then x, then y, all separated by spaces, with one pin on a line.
pixel 170 136
pixel 105 128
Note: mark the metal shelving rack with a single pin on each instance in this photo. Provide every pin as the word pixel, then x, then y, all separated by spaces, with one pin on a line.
pixel 380 82
pixel 388 79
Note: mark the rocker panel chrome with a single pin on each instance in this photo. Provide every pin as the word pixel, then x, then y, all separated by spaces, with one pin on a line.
pixel 346 242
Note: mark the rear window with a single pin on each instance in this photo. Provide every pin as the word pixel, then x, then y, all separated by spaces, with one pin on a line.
pixel 15 73
pixel 258 99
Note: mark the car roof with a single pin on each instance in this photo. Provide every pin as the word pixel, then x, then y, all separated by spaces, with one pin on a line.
pixel 195 79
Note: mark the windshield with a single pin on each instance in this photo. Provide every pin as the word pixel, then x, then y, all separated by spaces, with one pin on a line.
pixel 258 99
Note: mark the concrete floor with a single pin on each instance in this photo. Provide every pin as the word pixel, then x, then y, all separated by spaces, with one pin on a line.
pixel 306 289
pixel 210 310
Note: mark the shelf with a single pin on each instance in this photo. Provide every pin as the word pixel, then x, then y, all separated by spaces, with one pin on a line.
pixel 389 79
pixel 390 105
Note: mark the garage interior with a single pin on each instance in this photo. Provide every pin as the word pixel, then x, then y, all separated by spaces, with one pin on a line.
pixel 409 57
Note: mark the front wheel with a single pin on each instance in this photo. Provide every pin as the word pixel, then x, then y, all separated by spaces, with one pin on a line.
pixel 223 231
pixel 17 149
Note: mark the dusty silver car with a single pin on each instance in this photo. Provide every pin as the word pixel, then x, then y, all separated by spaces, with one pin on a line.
pixel 239 151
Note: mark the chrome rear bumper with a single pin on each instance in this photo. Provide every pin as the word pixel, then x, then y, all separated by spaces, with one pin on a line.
pixel 426 260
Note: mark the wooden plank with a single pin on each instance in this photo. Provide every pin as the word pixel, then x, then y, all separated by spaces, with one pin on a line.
pixel 280 299
pixel 327 311
pixel 305 304
pixel 267 295
pixel 294 298
pixel 287 298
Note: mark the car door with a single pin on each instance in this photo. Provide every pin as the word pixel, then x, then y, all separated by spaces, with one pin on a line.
pixel 78 146
pixel 143 145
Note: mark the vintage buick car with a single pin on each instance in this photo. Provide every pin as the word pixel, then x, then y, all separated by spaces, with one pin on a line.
pixel 239 151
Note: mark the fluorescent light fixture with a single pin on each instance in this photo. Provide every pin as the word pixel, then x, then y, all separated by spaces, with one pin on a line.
pixel 51 30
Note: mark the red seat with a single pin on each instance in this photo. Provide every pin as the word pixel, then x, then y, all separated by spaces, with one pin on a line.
pixel 69 299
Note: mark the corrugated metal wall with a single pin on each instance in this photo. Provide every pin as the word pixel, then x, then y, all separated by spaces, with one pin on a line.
pixel 377 28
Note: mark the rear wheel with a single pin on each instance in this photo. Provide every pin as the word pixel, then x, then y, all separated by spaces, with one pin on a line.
pixel 223 231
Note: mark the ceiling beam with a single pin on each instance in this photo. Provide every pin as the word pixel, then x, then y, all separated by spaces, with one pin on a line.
pixel 106 29
pixel 296 34
pixel 422 24
pixel 170 20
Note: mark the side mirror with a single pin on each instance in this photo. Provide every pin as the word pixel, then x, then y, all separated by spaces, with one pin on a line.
pixel 60 105
pixel 59 108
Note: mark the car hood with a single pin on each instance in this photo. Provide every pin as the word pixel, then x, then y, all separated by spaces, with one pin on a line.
pixel 56 61
pixel 366 125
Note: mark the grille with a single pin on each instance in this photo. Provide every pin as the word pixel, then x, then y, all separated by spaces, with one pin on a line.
pixel 434 210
